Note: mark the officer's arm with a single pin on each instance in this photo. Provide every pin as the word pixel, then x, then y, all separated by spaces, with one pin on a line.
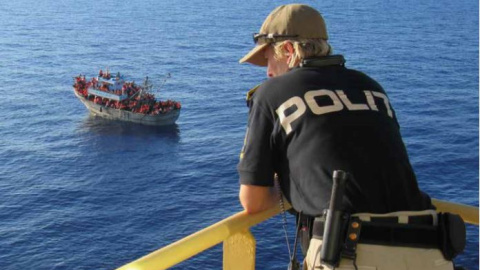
pixel 256 199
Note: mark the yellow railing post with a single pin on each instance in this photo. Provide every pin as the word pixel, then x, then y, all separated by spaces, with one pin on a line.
pixel 239 251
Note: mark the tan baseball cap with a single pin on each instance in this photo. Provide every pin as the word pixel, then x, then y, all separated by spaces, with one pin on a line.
pixel 293 21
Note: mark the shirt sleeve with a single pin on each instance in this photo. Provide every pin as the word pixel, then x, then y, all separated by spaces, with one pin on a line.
pixel 256 166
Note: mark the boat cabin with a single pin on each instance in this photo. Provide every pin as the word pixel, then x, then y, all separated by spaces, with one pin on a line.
pixel 111 88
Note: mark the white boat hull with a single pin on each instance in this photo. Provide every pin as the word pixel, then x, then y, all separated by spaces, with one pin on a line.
pixel 161 119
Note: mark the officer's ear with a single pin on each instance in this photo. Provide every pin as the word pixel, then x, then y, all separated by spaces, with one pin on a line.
pixel 289 52
pixel 288 47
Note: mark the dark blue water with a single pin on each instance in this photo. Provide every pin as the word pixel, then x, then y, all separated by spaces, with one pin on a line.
pixel 79 192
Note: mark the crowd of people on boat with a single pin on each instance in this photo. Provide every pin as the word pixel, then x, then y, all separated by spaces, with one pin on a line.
pixel 136 101
pixel 105 75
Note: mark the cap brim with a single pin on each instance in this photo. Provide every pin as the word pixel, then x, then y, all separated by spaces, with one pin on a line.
pixel 256 56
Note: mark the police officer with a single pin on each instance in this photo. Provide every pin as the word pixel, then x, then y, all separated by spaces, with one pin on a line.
pixel 313 116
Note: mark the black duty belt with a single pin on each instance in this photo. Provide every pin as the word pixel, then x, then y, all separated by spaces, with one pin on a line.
pixel 418 232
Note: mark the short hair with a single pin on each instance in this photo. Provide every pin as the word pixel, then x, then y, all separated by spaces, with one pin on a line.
pixel 303 48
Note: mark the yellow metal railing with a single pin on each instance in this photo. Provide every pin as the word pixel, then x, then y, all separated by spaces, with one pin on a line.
pixel 467 212
pixel 238 242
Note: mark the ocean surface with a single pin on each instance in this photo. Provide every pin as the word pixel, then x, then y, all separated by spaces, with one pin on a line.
pixel 80 192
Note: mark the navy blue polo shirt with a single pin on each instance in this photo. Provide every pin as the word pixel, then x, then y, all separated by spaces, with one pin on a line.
pixel 313 120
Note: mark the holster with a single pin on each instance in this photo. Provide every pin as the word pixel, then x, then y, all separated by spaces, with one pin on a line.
pixel 452 234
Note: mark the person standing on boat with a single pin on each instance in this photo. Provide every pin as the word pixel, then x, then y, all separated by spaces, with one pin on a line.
pixel 313 116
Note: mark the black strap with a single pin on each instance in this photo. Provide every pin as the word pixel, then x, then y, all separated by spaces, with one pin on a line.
pixel 391 234
pixel 425 236
pixel 419 220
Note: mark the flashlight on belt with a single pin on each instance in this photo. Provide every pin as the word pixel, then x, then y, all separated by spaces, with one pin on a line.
pixel 335 223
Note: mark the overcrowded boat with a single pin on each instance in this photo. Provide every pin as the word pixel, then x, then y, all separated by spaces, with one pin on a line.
pixel 114 98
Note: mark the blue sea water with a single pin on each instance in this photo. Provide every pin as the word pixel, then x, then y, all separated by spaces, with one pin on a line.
pixel 80 192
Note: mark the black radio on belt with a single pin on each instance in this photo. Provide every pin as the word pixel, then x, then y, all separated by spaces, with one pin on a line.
pixel 335 223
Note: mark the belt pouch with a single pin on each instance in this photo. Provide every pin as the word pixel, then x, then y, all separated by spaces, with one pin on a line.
pixel 452 234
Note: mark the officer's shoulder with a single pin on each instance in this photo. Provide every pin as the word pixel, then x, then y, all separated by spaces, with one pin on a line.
pixel 356 72
pixel 362 76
